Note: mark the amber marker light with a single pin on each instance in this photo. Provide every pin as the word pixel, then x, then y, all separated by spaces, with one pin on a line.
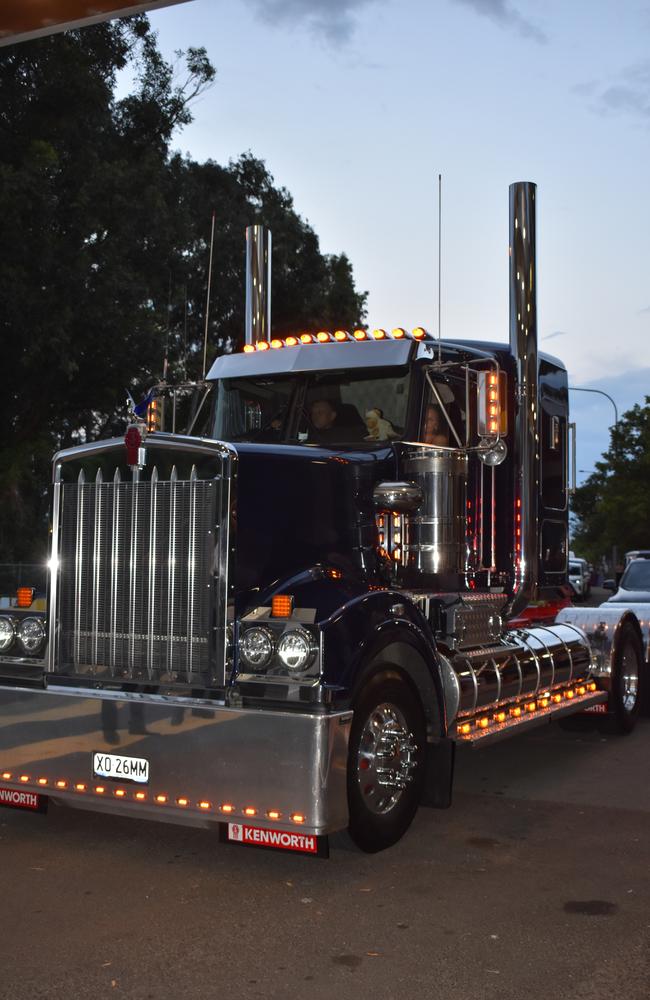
pixel 515 712
pixel 592 686
pixel 250 811
pixel 119 793
pixel 262 345
pixel 398 333
pixel 248 348
pixel 465 729
pixel 543 702
pixel 531 706
pixel 61 784
pixel 276 344
pixel 6 775
pixel 341 335
pixel 99 790
pixel 42 781
pixel 281 606
pixel 297 817
pixel 582 690
pixel 141 796
pixel 24 778
pixel 500 717
pixel 419 333
pixel 306 338
pixel 182 801
pixel 360 335
pixel 379 334
pixel 227 808
pixel 80 787
pixel 291 342
pixel 322 337
pixel 204 805
pixel 569 695
pixel 161 799
pixel 482 723
pixel 25 597
pixel 273 814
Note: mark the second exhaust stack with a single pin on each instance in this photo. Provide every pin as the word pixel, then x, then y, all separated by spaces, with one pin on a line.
pixel 258 284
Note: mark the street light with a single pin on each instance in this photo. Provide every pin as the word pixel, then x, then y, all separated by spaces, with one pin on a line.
pixel 575 388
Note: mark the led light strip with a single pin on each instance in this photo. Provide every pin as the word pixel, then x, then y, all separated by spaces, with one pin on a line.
pixel 339 336
pixel 181 801
pixel 531 707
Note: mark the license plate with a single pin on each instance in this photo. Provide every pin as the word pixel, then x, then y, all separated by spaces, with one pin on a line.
pixel 19 799
pixel 117 768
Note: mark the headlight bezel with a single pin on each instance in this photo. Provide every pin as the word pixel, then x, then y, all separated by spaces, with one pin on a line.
pixel 20 638
pixel 12 637
pixel 311 649
pixel 245 635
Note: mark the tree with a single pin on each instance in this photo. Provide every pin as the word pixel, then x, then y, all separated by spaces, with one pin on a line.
pixel 103 261
pixel 612 508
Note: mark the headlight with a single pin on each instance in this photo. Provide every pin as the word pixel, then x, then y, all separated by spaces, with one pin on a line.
pixel 296 650
pixel 256 647
pixel 6 633
pixel 31 634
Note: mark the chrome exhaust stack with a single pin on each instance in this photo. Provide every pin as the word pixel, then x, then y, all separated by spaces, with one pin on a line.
pixel 523 344
pixel 258 284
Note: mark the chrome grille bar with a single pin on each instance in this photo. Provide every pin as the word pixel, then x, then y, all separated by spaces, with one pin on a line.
pixel 143 574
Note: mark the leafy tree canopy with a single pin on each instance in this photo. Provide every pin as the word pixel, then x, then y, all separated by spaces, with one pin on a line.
pixel 104 256
pixel 612 508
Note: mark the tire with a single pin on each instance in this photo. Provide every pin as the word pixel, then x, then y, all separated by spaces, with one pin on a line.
pixel 388 720
pixel 628 681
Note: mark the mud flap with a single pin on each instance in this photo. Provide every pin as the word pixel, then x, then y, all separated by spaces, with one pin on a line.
pixel 439 774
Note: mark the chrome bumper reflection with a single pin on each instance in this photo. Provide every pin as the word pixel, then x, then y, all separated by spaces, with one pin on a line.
pixel 289 768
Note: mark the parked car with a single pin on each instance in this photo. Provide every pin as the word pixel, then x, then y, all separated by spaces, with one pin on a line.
pixel 636 554
pixel 579 577
pixel 634 587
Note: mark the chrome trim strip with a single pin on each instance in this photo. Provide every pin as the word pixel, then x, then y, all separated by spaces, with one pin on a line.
pixel 78 569
pixel 51 655
pixel 115 561
pixel 191 573
pixel 171 567
pixel 151 590
pixel 97 555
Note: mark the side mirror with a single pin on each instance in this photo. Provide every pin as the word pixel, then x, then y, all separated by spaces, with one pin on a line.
pixel 610 585
pixel 402 498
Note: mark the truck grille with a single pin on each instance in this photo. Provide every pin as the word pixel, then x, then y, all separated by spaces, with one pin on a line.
pixel 141 588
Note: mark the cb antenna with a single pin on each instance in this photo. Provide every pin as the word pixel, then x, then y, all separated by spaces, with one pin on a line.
pixel 439 267
pixel 207 304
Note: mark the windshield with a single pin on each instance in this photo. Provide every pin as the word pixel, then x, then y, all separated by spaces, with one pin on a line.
pixel 575 569
pixel 637 576
pixel 359 407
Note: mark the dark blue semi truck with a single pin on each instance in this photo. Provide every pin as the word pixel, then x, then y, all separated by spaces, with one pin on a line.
pixel 285 623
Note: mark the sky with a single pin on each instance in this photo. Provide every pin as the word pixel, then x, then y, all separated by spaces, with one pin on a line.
pixel 358 105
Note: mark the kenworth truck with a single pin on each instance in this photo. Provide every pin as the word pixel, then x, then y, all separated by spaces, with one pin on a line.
pixel 284 623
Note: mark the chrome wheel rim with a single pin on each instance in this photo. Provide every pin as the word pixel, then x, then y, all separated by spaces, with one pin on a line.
pixel 629 678
pixel 386 759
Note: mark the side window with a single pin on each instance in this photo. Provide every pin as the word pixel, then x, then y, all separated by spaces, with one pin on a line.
pixel 443 421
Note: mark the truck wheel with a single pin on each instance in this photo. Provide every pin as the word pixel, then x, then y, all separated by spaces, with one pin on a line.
pixel 628 681
pixel 385 762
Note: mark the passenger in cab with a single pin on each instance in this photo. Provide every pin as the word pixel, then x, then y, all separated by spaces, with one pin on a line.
pixel 434 427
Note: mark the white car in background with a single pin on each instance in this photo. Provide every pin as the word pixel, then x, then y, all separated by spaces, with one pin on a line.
pixel 580 577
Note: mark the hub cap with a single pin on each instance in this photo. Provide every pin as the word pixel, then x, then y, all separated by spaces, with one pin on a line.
pixel 386 760
pixel 629 678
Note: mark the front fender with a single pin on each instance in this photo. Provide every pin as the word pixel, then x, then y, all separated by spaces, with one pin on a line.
pixel 383 627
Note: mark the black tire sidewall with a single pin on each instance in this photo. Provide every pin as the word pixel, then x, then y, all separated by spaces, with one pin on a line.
pixel 370 831
pixel 622 719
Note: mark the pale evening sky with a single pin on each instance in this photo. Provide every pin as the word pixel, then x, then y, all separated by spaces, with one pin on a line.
pixel 357 105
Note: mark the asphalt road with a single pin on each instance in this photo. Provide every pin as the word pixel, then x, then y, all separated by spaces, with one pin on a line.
pixel 536 883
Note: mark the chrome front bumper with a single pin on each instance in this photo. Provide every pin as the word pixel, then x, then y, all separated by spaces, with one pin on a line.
pixel 201 756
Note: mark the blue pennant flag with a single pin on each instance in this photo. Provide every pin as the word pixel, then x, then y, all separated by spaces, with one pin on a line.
pixel 140 409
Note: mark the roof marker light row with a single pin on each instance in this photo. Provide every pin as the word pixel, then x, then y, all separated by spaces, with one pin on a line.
pixel 339 336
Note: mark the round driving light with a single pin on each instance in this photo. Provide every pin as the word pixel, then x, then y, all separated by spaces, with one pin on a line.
pixel 256 647
pixel 6 633
pixel 31 634
pixel 296 649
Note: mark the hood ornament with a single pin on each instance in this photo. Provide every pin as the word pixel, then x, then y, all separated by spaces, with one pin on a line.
pixel 136 431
